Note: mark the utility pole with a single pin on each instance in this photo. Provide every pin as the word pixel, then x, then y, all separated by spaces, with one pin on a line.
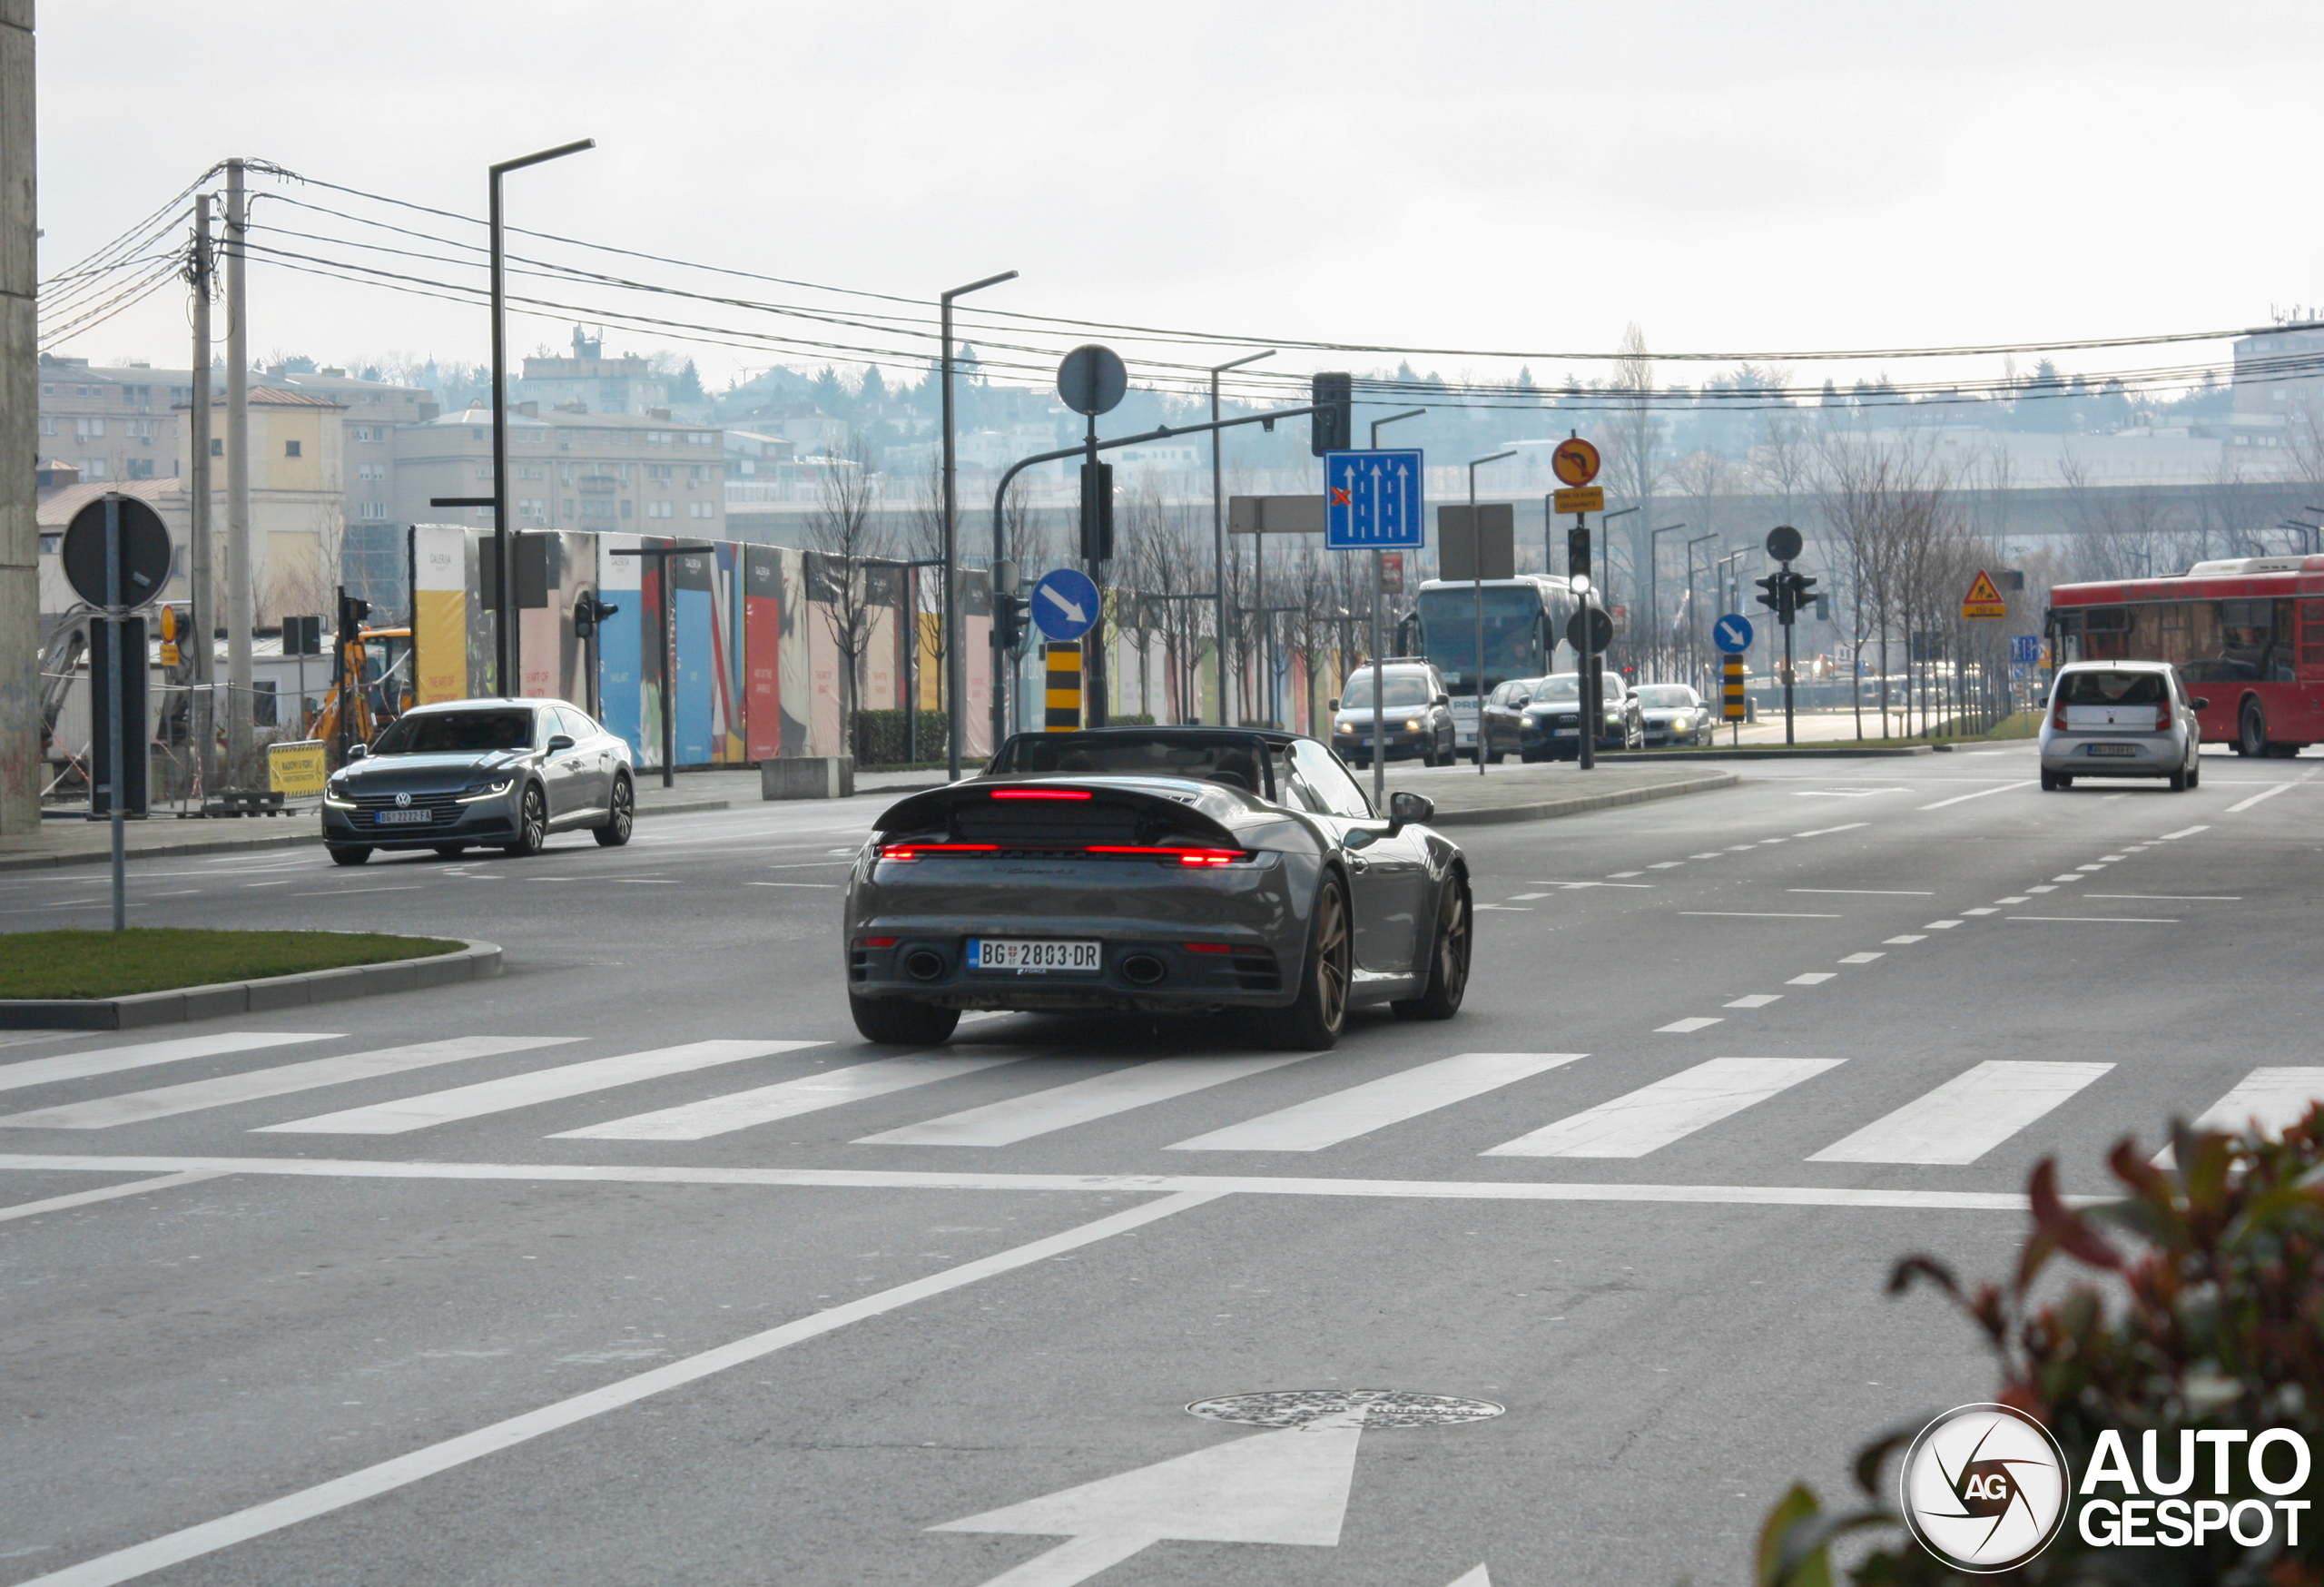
pixel 1218 529
pixel 19 689
pixel 240 615
pixel 204 608
pixel 956 683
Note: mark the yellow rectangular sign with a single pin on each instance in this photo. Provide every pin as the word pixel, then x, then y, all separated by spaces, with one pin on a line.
pixel 1582 498
pixel 1732 690
pixel 296 770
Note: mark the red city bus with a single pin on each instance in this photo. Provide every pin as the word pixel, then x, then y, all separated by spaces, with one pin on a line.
pixel 2247 634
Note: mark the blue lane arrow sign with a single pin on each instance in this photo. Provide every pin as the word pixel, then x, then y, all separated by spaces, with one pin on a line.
pixel 1372 501
pixel 1732 633
pixel 1065 604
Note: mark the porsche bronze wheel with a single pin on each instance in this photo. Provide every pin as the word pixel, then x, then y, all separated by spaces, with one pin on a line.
pixel 1448 968
pixel 1317 1017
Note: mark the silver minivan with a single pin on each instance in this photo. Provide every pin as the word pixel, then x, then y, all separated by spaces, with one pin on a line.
pixel 2120 719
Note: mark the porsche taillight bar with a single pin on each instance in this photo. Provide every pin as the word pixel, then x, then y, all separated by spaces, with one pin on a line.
pixel 1200 857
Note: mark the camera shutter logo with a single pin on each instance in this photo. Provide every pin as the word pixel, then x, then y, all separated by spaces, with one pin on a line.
pixel 403 801
pixel 1985 1488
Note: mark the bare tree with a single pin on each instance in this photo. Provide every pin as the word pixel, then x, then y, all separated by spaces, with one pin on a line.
pixel 847 532
pixel 1634 456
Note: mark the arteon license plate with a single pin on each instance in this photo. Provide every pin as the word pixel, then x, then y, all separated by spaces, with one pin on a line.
pixel 1032 957
pixel 394 817
pixel 2113 749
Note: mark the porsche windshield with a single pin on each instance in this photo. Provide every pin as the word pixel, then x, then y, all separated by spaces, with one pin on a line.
pixel 1205 757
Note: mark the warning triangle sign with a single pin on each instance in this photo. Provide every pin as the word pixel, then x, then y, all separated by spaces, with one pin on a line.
pixel 1982 599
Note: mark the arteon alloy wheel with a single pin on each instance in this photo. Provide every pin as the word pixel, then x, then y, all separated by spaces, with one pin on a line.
pixel 532 825
pixel 622 812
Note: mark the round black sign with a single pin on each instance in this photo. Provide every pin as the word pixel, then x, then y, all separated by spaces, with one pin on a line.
pixel 144 552
pixel 1091 379
pixel 1591 625
pixel 1783 543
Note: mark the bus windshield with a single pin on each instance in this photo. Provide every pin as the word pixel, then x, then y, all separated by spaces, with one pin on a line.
pixel 1448 624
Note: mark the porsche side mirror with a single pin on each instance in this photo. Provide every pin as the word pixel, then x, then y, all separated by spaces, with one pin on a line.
pixel 558 742
pixel 2199 704
pixel 1403 809
pixel 356 752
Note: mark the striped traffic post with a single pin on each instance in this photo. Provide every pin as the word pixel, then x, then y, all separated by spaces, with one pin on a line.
pixel 1733 690
pixel 1064 688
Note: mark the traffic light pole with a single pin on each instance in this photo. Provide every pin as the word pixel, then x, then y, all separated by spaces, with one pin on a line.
pixel 1790 610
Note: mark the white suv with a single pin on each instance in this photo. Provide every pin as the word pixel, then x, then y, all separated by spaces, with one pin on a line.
pixel 2120 719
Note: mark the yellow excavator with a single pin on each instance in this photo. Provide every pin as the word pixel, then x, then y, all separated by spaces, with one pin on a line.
pixel 370 682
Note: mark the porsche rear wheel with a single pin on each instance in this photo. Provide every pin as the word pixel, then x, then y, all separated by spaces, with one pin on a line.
pixel 898 1023
pixel 1447 969
pixel 1320 1014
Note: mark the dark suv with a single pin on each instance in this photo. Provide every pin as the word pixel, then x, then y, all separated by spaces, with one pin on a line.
pixel 1417 714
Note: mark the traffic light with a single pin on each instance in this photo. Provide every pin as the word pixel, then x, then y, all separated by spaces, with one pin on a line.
pixel 1772 590
pixel 1097 512
pixel 588 613
pixel 1009 613
pixel 1801 583
pixel 1577 553
pixel 352 610
pixel 1334 418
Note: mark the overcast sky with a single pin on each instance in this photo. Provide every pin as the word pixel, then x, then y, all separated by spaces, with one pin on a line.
pixel 1765 176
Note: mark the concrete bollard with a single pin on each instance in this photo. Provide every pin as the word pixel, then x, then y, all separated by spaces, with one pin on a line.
pixel 808 777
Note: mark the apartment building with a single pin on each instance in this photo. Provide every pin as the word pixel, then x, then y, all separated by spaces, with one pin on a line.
pixel 637 473
pixel 111 422
pixel 625 385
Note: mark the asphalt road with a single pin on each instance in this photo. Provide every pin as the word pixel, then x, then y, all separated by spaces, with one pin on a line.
pixel 626 1267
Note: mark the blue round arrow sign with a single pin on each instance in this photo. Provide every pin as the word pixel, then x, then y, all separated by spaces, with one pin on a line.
pixel 1732 633
pixel 1065 604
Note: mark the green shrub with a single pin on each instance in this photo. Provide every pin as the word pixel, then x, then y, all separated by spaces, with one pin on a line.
pixel 880 737
pixel 2214 1320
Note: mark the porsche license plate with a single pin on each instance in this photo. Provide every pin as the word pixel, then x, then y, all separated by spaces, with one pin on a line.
pixel 1033 957
pixel 2113 749
pixel 390 817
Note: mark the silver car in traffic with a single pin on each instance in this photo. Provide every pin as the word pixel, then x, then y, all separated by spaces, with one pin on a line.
pixel 2120 719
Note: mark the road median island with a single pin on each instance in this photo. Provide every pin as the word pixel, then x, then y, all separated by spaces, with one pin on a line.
pixel 121 980
pixel 1546 792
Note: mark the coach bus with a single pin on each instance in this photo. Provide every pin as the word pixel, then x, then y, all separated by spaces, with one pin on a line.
pixel 2248 634
pixel 1524 626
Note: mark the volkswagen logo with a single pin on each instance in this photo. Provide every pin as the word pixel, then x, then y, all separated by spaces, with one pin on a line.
pixel 403 801
pixel 1985 1488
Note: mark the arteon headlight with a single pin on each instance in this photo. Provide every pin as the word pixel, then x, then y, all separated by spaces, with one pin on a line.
pixel 490 791
pixel 336 796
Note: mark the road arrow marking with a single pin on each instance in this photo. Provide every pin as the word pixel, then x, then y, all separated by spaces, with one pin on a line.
pixel 1069 608
pixel 1476 1578
pixel 1289 1486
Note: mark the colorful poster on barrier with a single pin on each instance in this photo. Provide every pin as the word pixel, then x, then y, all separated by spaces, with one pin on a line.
pixel 621 702
pixel 443 582
pixel 761 653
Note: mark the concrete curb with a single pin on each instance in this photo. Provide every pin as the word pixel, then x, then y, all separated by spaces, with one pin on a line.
pixel 474 961
pixel 1625 757
pixel 1579 804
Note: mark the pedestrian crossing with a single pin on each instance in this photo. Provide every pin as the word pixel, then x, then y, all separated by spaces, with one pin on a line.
pixel 1480 1099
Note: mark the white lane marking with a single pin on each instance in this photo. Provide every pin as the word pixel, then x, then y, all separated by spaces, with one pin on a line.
pixel 1813 978
pixel 1903 941
pixel 1622 875
pixel 2237 809
pixel 195 1542
pixel 1940 925
pixel 1652 1117
pixel 1869 891
pixel 2184 831
pixel 109 1193
pixel 784 1099
pixel 1823 831
pixel 2100 919
pixel 1476 1578
pixel 2110 859
pixel 2045 887
pixel 1007 1122
pixel 2014 898
pixel 1981 793
pixel 1525 897
pixel 2162 897
pixel 1285 1486
pixel 1688 1026
pixel 1327 1121
pixel 1713 855
pixel 1755 914
pixel 1966 1116
pixel 2010 1201
pixel 1754 1001
pixel 225 1091
pixel 822 884
pixel 1859 958
pixel 179 892
pixel 2086 870
pixel 1767 843
pixel 1981 911
pixel 1514 909
pixel 105 1060
pixel 2069 876
pixel 1740 848
pixel 2269 1099
pixel 645 880
pixel 1841 793
pixel 537 1086
pixel 1666 864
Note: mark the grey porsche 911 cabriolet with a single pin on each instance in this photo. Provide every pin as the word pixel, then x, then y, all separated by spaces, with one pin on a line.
pixel 1178 870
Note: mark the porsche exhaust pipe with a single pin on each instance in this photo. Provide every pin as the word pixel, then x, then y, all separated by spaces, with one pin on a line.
pixel 1143 969
pixel 923 964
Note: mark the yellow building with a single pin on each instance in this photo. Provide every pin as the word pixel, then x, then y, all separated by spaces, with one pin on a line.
pixel 297 449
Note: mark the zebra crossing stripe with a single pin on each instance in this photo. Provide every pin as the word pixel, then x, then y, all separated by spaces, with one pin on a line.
pixel 225 1090
pixel 1327 1121
pixel 1652 1117
pixel 105 1060
pixel 1966 1116
pixel 784 1099
pixel 1017 1119
pixel 545 1085
pixel 2272 1099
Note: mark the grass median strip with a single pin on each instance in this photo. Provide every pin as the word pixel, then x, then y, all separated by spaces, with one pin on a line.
pixel 112 964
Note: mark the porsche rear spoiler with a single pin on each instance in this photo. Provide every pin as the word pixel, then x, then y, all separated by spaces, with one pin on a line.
pixel 1057 813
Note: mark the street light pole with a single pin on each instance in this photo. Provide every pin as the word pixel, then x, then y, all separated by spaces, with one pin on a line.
pixel 956 692
pixel 1694 626
pixel 1477 587
pixel 504 552
pixel 1379 645
pixel 1218 525
pixel 1654 586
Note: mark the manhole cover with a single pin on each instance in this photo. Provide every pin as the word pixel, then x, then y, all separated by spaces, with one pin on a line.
pixel 1379 1407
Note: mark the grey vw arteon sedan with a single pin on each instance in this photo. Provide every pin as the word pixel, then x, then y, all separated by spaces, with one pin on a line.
pixel 1179 870
pixel 501 774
